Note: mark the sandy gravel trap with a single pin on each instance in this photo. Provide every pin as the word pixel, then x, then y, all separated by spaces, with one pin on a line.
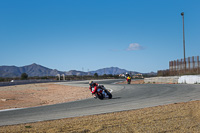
pixel 32 95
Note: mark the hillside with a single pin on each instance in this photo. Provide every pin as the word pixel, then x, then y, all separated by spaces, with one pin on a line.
pixel 32 70
pixel 111 70
pixel 38 70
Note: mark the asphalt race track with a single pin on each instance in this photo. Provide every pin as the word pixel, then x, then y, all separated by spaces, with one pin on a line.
pixel 125 97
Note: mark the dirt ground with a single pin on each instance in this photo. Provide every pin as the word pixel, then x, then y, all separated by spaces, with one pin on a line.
pixel 139 81
pixel 177 117
pixel 32 95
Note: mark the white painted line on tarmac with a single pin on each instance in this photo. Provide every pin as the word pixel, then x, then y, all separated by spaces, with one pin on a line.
pixel 10 109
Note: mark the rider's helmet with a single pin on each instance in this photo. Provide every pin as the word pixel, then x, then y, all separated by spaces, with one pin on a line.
pixel 91 82
pixel 127 74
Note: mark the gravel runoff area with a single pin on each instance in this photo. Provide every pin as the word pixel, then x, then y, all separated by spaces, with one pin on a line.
pixel 32 95
pixel 177 117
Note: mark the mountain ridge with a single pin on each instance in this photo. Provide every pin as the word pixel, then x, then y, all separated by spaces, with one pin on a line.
pixel 38 70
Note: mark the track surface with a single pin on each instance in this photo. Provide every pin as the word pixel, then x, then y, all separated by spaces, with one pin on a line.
pixel 125 97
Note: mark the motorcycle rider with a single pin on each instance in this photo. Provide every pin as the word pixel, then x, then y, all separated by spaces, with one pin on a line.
pixel 128 79
pixel 94 88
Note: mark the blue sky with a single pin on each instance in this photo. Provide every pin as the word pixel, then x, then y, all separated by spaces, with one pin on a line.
pixel 137 35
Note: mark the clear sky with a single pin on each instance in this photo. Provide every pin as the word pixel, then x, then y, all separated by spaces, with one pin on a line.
pixel 136 35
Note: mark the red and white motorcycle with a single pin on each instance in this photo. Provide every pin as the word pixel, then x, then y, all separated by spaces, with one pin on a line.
pixel 103 93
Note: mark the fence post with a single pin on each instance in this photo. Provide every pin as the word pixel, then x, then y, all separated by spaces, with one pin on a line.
pixel 178 67
pixel 193 65
pixel 169 67
pixel 175 63
pixel 193 62
pixel 197 64
pixel 188 63
pixel 181 66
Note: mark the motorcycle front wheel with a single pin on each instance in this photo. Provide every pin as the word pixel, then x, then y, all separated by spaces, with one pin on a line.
pixel 100 96
pixel 110 96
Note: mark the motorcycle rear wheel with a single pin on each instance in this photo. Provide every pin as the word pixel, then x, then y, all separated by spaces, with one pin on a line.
pixel 100 96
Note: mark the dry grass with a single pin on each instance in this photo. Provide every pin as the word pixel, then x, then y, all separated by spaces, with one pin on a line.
pixel 180 117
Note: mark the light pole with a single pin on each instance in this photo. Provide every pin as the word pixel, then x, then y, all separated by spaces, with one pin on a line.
pixel 182 14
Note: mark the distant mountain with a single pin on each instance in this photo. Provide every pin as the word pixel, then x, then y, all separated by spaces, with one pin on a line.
pixel 38 70
pixel 112 70
pixel 32 70
pixel 74 72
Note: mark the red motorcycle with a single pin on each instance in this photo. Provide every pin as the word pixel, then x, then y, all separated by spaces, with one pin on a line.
pixel 103 93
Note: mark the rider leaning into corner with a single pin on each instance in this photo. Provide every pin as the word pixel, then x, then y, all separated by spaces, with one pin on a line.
pixel 94 88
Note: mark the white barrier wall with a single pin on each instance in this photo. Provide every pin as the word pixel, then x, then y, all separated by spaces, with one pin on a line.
pixel 189 79
pixel 169 79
